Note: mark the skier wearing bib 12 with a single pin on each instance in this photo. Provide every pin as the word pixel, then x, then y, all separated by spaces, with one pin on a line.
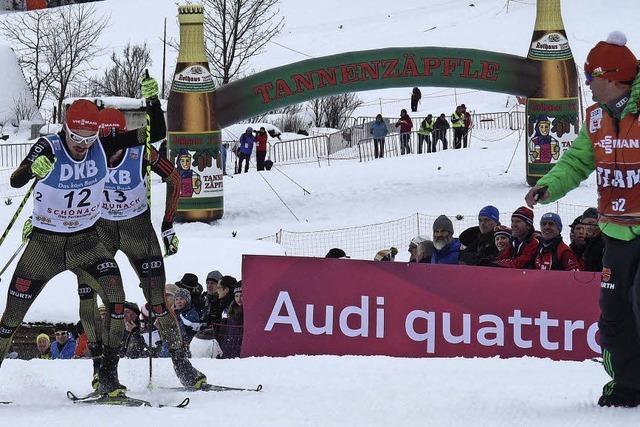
pixel 125 225
pixel 71 168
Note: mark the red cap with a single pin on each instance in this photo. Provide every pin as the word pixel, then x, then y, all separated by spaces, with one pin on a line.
pixel 109 119
pixel 82 115
pixel 612 59
pixel 525 214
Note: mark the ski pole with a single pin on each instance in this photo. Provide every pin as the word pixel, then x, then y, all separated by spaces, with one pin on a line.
pixel 15 254
pixel 17 214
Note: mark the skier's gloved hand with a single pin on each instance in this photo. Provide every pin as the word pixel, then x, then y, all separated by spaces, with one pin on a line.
pixel 27 228
pixel 169 239
pixel 41 166
pixel 149 88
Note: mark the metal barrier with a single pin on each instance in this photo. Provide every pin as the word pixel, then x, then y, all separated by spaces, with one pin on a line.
pixel 12 154
pixel 392 148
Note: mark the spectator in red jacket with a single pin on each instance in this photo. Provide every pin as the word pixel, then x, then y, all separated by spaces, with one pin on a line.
pixel 261 148
pixel 502 237
pixel 405 124
pixel 521 253
pixel 553 253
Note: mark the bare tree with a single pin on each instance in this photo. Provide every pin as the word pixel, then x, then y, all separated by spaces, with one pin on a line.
pixel 236 30
pixel 72 46
pixel 28 33
pixel 23 109
pixel 123 77
pixel 333 111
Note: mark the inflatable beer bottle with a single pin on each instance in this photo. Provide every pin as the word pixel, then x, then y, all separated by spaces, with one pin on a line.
pixel 552 113
pixel 192 130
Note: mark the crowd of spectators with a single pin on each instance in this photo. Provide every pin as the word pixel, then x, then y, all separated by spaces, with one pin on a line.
pixel 519 245
pixel 214 313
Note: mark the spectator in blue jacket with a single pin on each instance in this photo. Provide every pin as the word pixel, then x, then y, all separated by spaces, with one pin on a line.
pixel 187 315
pixel 447 249
pixel 379 132
pixel 64 347
pixel 246 148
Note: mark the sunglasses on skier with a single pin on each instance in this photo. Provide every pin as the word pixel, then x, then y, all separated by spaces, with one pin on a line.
pixel 598 72
pixel 79 139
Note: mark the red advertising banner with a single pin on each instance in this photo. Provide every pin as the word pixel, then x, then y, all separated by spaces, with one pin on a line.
pixel 348 307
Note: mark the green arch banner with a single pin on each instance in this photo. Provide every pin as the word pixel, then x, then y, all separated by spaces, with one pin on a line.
pixel 375 69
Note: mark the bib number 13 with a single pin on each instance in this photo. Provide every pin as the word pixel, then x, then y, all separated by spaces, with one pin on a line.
pixel 81 197
pixel 618 205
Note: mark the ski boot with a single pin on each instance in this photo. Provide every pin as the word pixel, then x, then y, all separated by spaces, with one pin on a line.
pixel 96 358
pixel 187 374
pixel 108 374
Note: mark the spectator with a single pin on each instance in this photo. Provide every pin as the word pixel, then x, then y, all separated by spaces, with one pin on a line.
pixel 232 320
pixel 209 297
pixel 190 282
pixel 522 250
pixel 261 148
pixel 153 344
pixel 223 156
pixel 553 253
pixel 413 247
pixel 82 344
pixel 246 148
pixel 379 132
pixel 594 243
pixel 446 247
pixel 577 237
pixel 224 290
pixel 416 95
pixel 386 255
pixel 502 237
pixel 424 134
pixel 134 346
pixel 468 124
pixel 43 343
pixel 480 246
pixel 405 124
pixel 64 346
pixel 424 252
pixel 457 123
pixel 186 314
pixel 336 253
pixel 440 131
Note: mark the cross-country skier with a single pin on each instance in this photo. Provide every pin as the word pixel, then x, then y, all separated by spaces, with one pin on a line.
pixel 125 225
pixel 71 168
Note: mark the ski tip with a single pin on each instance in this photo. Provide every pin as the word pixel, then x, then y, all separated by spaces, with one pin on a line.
pixel 259 388
pixel 184 403
pixel 71 396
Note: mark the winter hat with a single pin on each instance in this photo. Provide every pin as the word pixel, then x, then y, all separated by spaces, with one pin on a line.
pixel 170 289
pixel 44 337
pixel 228 282
pixel 501 230
pixel 111 120
pixel 612 59
pixel 525 214
pixel 576 221
pixel 237 290
pixel 443 223
pixel 214 275
pixel 82 115
pixel 132 306
pixel 189 281
pixel 383 255
pixel 590 213
pixel 335 253
pixel 490 212
pixel 554 217
pixel 184 294
pixel 417 240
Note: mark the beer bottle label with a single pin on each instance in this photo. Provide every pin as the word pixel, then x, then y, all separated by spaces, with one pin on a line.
pixel 550 46
pixel 194 78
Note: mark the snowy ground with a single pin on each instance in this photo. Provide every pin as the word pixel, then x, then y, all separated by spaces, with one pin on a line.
pixel 358 391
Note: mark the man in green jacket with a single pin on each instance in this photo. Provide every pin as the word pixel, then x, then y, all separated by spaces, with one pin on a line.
pixel 609 143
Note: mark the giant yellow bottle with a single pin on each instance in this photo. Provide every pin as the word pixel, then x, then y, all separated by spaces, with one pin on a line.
pixel 193 133
pixel 552 113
